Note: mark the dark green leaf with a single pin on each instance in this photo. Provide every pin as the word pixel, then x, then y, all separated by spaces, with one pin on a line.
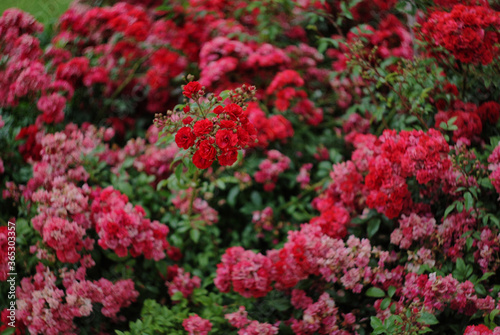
pixel 373 227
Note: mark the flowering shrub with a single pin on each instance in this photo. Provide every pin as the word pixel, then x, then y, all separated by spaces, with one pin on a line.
pixel 251 167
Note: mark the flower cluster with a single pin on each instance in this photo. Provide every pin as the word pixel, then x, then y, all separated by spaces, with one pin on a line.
pixel 180 281
pixel 63 207
pixel 320 317
pixel 123 227
pixel 217 133
pixel 469 33
pixel 468 121
pixel 409 154
pixel 412 228
pixel 195 325
pixel 271 129
pixel 248 273
pixel 122 34
pixel 270 169
pixel 481 330
pixel 240 320
pixel 263 219
pixel 45 308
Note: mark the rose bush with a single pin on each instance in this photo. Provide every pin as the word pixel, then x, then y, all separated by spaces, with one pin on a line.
pixel 252 167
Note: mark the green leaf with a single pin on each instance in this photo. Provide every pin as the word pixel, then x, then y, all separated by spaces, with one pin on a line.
pixel 177 296
pixel 469 201
pixel 256 198
pixel 428 319
pixel 486 276
pixel 449 209
pixel 233 194
pixel 493 314
pixel 161 184
pixel 376 323
pixel 469 242
pixel 195 235
pixel 375 292
pixel 373 227
pixel 391 290
pixel 178 171
pixel 385 303
pixel 9 331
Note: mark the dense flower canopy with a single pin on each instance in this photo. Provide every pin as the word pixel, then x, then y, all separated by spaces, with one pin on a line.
pixel 251 167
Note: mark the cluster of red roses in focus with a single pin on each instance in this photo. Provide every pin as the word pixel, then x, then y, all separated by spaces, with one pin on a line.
pixel 216 131
pixel 469 33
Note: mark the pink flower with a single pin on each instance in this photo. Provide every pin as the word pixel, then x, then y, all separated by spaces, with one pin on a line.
pixel 195 325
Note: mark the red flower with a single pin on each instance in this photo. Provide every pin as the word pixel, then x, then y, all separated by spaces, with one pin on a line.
pixel 218 110
pixel 225 138
pixel 207 150
pixel 187 120
pixel 228 158
pixel 191 88
pixel 200 162
pixel 243 137
pixel 202 127
pixel 234 111
pixel 185 138
pixel 226 124
pixel 489 112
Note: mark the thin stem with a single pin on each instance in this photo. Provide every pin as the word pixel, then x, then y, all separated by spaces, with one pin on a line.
pixel 194 193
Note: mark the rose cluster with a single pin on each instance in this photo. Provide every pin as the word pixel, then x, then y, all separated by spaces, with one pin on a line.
pixel 215 134
pixel 469 33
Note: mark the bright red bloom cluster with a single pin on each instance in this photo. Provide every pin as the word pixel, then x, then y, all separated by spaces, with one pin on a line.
pixel 122 227
pixel 214 137
pixel 409 154
pixel 247 272
pixel 122 39
pixel 468 120
pixel 285 86
pixel 489 112
pixel 469 33
pixel 274 128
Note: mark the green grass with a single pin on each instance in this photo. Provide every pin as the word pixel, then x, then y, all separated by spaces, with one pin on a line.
pixel 45 11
